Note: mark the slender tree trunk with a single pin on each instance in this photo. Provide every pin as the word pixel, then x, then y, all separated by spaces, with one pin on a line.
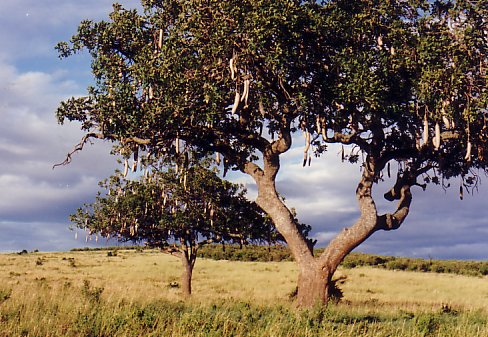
pixel 187 273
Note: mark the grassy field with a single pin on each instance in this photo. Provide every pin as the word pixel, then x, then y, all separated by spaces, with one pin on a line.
pixel 134 294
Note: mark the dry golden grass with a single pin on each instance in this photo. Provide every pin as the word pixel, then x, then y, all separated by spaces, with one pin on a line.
pixel 92 294
pixel 416 290
pixel 145 276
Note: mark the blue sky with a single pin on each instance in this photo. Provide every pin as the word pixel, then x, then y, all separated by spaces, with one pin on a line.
pixel 35 201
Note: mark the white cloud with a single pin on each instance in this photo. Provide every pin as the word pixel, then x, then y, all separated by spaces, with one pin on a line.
pixel 323 237
pixel 30 28
pixel 31 142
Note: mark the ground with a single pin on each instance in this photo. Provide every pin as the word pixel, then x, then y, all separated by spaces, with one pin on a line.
pixel 99 294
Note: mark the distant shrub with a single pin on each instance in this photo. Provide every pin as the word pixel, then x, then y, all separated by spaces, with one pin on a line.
pixel 428 324
pixel 468 268
pixel 94 249
pixel 437 268
pixel 396 265
pixel 484 269
pixel 5 295
pixel 92 294
pixel 112 253
pixel 245 253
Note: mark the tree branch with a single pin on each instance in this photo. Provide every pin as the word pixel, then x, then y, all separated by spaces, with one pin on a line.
pixel 393 221
pixel 78 147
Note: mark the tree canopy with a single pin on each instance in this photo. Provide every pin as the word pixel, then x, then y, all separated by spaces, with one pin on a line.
pixel 177 213
pixel 392 81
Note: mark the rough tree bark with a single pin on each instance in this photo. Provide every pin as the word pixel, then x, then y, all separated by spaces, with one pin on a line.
pixel 188 258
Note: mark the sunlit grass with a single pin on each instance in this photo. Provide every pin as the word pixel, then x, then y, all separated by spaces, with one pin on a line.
pixel 93 294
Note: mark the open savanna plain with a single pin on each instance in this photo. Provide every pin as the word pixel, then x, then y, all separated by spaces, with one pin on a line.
pixel 135 293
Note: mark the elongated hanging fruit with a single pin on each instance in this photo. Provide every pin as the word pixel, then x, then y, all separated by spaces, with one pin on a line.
pixel 388 170
pixel 446 121
pixel 236 102
pixel 184 182
pixel 126 167
pixel 136 159
pixel 247 85
pixel 461 192
pixel 160 42
pixel 177 145
pixel 343 156
pixel 245 92
pixel 232 69
pixel 437 139
pixel 217 158
pixel 426 131
pixel 307 147
pixel 379 42
pixel 261 108
pixel 468 152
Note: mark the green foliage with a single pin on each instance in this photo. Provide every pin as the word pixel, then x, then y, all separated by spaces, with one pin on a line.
pixel 429 324
pixel 368 72
pixel 193 209
pixel 468 268
pixel 112 248
pixel 246 253
pixel 92 294
pixel 231 318
pixel 5 294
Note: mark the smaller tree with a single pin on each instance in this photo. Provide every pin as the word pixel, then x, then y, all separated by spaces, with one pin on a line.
pixel 177 212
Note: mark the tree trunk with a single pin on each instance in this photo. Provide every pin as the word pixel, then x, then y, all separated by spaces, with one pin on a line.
pixel 313 286
pixel 316 272
pixel 186 275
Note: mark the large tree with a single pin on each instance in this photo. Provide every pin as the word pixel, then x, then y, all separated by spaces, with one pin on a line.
pixel 176 212
pixel 391 81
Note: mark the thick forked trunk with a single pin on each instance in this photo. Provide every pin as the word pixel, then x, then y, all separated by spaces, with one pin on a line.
pixel 316 272
pixel 313 286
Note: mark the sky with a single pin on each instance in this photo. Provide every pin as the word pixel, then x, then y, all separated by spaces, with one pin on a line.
pixel 35 200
